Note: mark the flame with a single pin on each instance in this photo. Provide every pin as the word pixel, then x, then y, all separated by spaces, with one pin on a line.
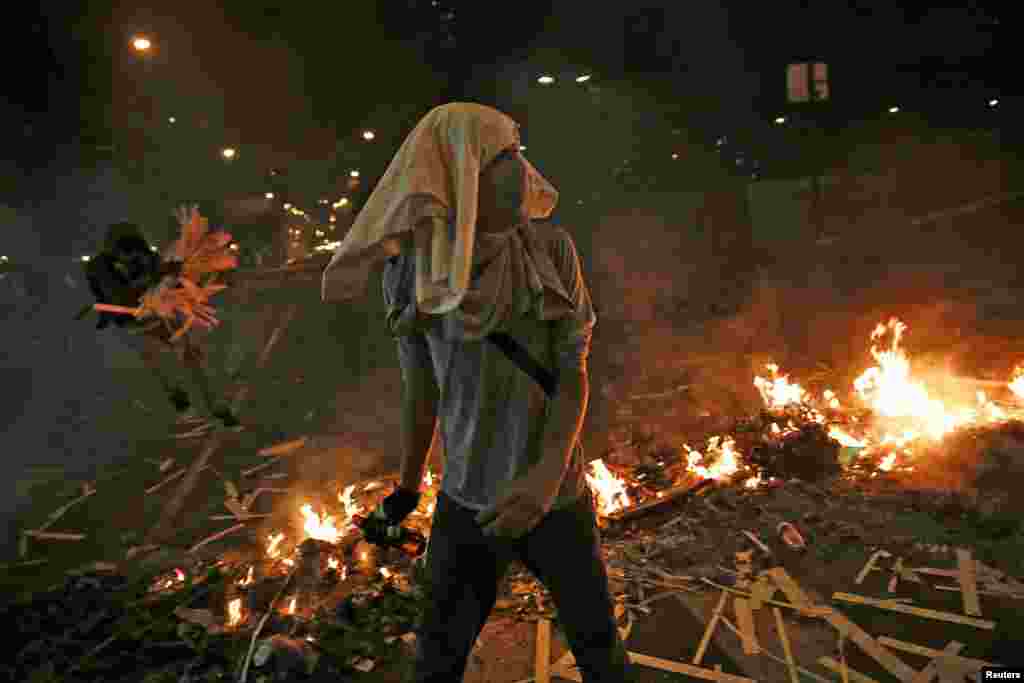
pixel 179 575
pixel 235 612
pixel 721 451
pixel 428 478
pixel 333 563
pixel 888 462
pixel 752 483
pixel 385 572
pixel 1017 382
pixel 778 393
pixel 845 438
pixel 609 489
pixel 248 580
pixel 352 508
pixel 430 508
pixel 273 550
pixel 292 605
pixel 320 528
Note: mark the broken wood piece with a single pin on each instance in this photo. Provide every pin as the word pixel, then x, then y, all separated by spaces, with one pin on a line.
pixel 686 669
pixel 284 448
pixel 870 565
pixel 904 572
pixel 757 541
pixel 813 611
pixel 216 537
pixel 671 494
pixel 789 587
pixel 763 589
pixel 253 470
pixel 238 518
pixel 745 620
pixel 968 582
pixel 787 650
pixel 922 651
pixel 59 512
pixel 854 675
pixel 1001 592
pixel 931 670
pixel 53 536
pixel 916 611
pixel 771 655
pixel 706 638
pixel 542 663
pixel 159 485
pixel 870 646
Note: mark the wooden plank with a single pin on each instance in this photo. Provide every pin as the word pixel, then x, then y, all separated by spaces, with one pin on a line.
pixel 542 664
pixel 745 620
pixel 871 647
pixel 787 650
pixel 998 593
pixel 916 611
pixel 687 669
pixel 763 589
pixel 284 448
pixel 715 616
pixel 870 566
pixel 854 675
pixel 969 582
pixel 929 672
pixel 790 588
pixel 771 655
pixel 923 651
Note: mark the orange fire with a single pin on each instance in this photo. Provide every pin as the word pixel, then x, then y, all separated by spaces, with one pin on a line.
pixel 292 605
pixel 248 580
pixel 1017 382
pixel 721 453
pixel 235 612
pixel 385 572
pixel 274 550
pixel 888 462
pixel 778 392
pixel 609 489
pixel 428 478
pixel 320 528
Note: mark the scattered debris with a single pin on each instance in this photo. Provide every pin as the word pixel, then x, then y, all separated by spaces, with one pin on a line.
pixel 916 611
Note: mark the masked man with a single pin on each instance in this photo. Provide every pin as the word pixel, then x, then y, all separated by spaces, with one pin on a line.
pixel 493 323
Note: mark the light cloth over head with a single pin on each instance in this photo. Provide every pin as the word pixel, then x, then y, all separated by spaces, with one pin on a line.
pixel 427 203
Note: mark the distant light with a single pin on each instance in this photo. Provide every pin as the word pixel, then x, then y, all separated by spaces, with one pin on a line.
pixel 86 259
pixel 141 43
pixel 269 195
pixel 4 259
pixel 333 219
pixel 287 206
pixel 228 153
pixel 993 103
pixel 720 142
pixel 546 80
pixel 340 203
pixel 324 201
pixel 354 174
pixel 234 247
pixel 894 110
pixel 675 156
pixel 583 79
pixel 171 119
pixel 780 119
pixel 522 148
pixel 369 135
pixel 153 249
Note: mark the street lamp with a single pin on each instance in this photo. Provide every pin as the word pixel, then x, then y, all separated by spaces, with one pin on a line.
pixel 583 79
pixel 369 135
pixel 269 195
pixel 894 110
pixel 228 153
pixel 546 80
pixel 171 120
pixel 780 120
pixel 354 174
pixel 993 103
pixel 141 44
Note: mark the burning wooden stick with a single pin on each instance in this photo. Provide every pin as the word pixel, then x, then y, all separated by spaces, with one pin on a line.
pixel 668 495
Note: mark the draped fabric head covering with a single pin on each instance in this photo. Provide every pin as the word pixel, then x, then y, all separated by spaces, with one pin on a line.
pixel 475 279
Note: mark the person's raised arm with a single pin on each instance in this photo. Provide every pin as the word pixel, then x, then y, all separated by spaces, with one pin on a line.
pixel 420 397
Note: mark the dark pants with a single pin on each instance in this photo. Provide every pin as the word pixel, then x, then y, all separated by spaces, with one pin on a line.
pixel 465 567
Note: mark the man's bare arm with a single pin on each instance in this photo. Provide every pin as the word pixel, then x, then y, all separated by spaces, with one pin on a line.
pixel 568 408
pixel 420 397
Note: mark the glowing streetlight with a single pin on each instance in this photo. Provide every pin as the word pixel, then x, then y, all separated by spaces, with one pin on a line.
pixel 894 110
pixel 141 44
pixel 522 148
pixel 4 259
pixel 674 156
pixel 354 174
pixel 287 206
pixel 171 119
pixel 86 259
pixel 333 219
pixel 228 153
pixel 780 120
pixel 234 247
pixel 583 79
pixel 269 195
pixel 369 135
pixel 993 103
pixel 546 80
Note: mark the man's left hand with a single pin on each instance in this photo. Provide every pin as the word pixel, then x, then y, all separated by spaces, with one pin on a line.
pixel 522 505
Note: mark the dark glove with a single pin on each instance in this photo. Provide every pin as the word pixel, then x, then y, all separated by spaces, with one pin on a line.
pixel 397 506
